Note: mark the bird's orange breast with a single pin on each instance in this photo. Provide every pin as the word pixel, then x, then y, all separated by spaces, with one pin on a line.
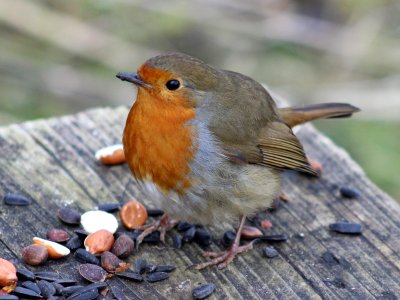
pixel 159 144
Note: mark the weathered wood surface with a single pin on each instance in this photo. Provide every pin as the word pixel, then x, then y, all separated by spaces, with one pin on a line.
pixel 52 162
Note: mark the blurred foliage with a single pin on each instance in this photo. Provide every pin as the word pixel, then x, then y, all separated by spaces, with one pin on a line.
pixel 61 58
pixel 374 144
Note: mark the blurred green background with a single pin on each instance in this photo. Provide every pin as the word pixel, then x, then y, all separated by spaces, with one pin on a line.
pixel 59 57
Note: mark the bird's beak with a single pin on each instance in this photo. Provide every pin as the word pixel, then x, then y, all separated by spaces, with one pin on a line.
pixel 134 78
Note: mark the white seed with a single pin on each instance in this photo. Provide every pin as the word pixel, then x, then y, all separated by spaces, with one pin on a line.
pixel 54 249
pixel 111 155
pixel 96 220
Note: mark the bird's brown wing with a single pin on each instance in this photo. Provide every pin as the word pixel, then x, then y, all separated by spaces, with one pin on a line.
pixel 276 147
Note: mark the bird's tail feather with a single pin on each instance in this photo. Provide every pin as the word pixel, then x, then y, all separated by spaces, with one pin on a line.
pixel 293 116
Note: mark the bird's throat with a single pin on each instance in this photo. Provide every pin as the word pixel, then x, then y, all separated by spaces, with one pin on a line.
pixel 160 144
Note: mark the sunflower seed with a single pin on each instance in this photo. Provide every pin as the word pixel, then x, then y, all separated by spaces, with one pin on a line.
pixel 344 227
pixel 202 237
pixel 31 285
pixel 156 276
pixel 69 216
pixel 154 212
pixel 165 268
pixel 189 234
pixel 177 241
pixel 74 243
pixel 183 226
pixel 154 237
pixel 140 266
pixel 85 295
pixel 81 233
pixel 25 274
pixel 17 200
pixel 228 238
pixel 203 291
pixel 24 292
pixel 348 193
pixel 46 275
pixel 68 291
pixel 46 288
pixel 131 276
pixel 8 297
pixel 66 281
pixel 118 293
pixel 58 287
pixel 86 257
pixel 270 252
pixel 109 207
pixel 274 238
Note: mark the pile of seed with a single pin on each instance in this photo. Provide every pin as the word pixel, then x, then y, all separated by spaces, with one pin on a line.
pixel 100 249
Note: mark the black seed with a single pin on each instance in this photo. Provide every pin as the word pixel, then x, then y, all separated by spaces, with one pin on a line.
pixel 69 216
pixel 270 252
pixel 154 237
pixel 344 227
pixel 49 276
pixel 154 212
pixel 140 266
pixel 92 273
pixel 156 276
pixel 25 274
pixel 24 292
pixel 150 268
pixel 202 237
pixel 68 291
pixel 46 288
pixel 134 234
pixel 183 226
pixel 228 238
pixel 18 200
pixel 165 268
pixel 74 243
pixel 86 257
pixel 32 286
pixel 189 234
pixel 177 241
pixel 203 291
pixel 58 287
pixel 109 207
pixel 66 281
pixel 329 258
pixel 348 193
pixel 118 293
pixel 93 286
pixel 131 276
pixel 81 233
pixel 8 297
pixel 85 295
pixel 274 238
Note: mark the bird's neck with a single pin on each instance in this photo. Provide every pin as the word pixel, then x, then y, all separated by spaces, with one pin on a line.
pixel 159 144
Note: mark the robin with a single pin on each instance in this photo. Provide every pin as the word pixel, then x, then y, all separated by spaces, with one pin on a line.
pixel 208 145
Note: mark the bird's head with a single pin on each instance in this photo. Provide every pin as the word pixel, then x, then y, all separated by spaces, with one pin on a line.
pixel 174 79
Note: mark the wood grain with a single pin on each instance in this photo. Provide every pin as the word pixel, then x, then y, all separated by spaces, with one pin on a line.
pixel 52 161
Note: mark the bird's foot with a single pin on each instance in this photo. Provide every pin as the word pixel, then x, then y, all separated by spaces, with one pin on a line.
pixel 223 258
pixel 163 225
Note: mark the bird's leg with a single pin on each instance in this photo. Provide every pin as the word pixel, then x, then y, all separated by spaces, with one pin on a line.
pixel 222 259
pixel 163 224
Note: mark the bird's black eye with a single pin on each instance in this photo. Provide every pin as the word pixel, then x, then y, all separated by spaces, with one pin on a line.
pixel 173 84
